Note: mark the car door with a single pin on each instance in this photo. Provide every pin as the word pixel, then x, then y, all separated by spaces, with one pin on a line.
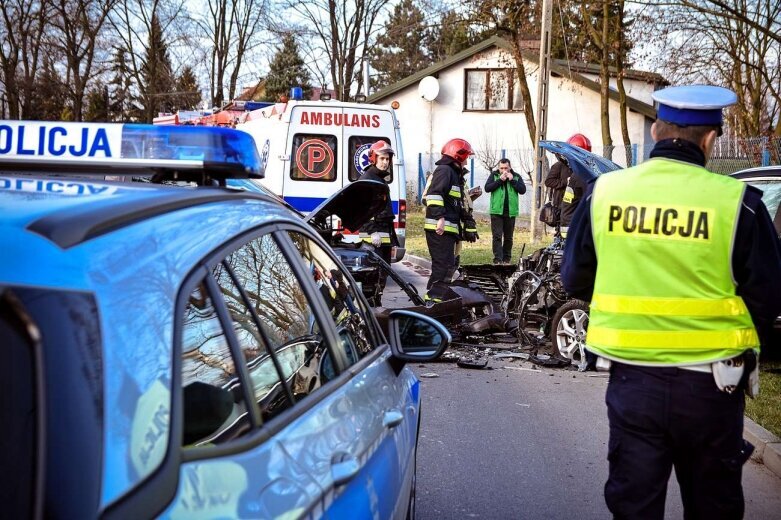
pixel 381 404
pixel 276 422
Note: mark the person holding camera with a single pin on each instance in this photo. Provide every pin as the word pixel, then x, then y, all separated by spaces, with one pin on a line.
pixel 504 185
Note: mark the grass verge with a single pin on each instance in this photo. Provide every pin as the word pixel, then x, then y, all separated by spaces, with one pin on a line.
pixel 765 410
pixel 472 253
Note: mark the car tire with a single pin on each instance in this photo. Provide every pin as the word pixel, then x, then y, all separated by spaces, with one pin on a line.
pixel 568 330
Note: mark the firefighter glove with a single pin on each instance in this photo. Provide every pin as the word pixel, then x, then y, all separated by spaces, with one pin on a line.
pixel 376 240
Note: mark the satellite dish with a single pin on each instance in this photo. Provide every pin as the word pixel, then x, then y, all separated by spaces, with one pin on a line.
pixel 428 88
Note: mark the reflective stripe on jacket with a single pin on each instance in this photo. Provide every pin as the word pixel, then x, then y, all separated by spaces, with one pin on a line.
pixel 443 196
pixel 664 292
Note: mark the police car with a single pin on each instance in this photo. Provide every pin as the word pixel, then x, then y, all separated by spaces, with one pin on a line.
pixel 188 352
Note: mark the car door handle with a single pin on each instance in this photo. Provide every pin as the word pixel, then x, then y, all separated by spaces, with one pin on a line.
pixel 343 468
pixel 392 418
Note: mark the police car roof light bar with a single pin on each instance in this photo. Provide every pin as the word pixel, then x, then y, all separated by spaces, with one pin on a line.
pixel 212 152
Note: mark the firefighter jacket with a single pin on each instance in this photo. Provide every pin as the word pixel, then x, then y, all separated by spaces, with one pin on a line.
pixel 381 223
pixel 443 196
pixel 664 292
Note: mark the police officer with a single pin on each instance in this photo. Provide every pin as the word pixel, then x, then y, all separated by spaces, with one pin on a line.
pixel 443 199
pixel 683 271
pixel 379 231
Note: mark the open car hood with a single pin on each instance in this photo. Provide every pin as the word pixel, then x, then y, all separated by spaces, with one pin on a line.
pixel 354 205
pixel 586 165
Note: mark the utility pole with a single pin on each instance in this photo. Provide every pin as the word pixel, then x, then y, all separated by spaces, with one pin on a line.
pixel 542 117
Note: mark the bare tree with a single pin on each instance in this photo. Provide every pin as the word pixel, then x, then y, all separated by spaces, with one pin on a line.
pixel 340 31
pixel 735 44
pixel 79 25
pixel 233 27
pixel 22 38
pixel 133 21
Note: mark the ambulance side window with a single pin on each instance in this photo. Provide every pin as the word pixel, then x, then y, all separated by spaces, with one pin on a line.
pixel 313 157
pixel 358 148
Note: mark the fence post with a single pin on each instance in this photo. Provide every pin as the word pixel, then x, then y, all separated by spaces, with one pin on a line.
pixel 472 172
pixel 765 153
pixel 420 177
pixel 634 154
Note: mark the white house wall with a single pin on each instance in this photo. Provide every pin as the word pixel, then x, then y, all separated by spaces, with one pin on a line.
pixel 426 126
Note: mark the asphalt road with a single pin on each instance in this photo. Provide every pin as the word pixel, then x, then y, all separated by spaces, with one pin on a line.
pixel 514 441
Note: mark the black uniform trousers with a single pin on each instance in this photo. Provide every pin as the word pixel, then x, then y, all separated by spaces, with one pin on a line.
pixel 442 249
pixel 502 227
pixel 662 418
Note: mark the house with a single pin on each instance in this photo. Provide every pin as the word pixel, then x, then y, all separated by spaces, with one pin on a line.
pixel 479 100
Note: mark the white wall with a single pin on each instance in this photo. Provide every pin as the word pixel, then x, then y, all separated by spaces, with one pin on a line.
pixel 572 108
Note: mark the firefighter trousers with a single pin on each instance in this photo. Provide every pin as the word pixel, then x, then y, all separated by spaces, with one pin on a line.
pixel 442 249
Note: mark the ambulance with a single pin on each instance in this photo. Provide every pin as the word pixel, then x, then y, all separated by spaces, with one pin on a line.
pixel 311 149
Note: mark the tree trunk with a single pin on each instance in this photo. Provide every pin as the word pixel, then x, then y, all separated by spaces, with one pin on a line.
pixel 620 84
pixel 604 82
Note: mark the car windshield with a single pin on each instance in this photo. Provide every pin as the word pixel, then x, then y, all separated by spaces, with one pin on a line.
pixel 771 193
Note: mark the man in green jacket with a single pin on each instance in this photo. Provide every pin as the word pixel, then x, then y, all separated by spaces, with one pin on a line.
pixel 504 185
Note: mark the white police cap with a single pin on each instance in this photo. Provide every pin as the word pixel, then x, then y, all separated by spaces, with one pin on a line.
pixel 693 104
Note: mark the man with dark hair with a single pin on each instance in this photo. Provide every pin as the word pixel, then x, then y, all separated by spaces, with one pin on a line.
pixel 683 271
pixel 504 185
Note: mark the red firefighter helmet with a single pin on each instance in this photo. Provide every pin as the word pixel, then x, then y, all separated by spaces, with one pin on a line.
pixel 458 149
pixel 581 141
pixel 379 147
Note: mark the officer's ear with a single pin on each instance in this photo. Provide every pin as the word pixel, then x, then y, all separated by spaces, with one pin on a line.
pixel 708 142
pixel 654 132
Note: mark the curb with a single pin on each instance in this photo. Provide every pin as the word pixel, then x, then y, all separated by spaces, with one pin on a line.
pixel 767 447
pixel 417 260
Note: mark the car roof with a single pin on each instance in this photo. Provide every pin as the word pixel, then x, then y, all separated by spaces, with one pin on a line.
pixel 760 171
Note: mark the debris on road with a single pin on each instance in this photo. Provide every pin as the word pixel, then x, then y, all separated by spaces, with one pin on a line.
pixel 429 374
pixel 472 362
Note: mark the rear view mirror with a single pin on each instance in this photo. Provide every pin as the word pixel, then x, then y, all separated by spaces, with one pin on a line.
pixel 415 337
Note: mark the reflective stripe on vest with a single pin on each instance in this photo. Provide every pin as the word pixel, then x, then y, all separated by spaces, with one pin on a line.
pixel 664 294
pixel 367 237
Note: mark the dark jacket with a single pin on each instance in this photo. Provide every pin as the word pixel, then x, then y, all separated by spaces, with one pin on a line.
pixel 500 193
pixel 559 176
pixel 756 255
pixel 443 197
pixel 383 221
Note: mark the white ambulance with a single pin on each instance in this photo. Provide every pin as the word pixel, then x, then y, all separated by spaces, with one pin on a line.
pixel 311 149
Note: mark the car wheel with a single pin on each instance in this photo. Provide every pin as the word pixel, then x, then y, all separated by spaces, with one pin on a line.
pixel 568 330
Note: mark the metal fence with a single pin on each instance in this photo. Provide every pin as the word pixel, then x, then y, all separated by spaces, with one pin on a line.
pixel 730 155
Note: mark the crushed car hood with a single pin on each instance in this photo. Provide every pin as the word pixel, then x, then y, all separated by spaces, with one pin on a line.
pixel 586 165
pixel 354 205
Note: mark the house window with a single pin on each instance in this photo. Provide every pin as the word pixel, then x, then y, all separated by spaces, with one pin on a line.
pixel 492 90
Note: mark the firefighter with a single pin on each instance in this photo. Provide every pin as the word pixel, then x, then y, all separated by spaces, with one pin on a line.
pixel 683 271
pixel 567 188
pixel 444 211
pixel 379 231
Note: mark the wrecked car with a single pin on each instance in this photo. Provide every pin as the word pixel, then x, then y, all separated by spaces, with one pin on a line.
pixel 531 294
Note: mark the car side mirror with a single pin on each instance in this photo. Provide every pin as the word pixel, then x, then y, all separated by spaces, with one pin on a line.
pixel 415 337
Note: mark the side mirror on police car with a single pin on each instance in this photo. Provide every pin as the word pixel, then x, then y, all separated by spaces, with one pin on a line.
pixel 415 337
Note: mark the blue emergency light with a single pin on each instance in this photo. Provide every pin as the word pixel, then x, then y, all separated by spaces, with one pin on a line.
pixel 222 152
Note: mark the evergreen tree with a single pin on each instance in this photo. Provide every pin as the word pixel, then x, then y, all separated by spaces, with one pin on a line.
pixel 399 50
pixel 97 107
pixel 287 70
pixel 188 94
pixel 48 94
pixel 450 36
pixel 158 83
pixel 123 104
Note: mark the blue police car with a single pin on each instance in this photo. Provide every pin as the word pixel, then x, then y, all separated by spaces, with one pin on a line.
pixel 193 352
